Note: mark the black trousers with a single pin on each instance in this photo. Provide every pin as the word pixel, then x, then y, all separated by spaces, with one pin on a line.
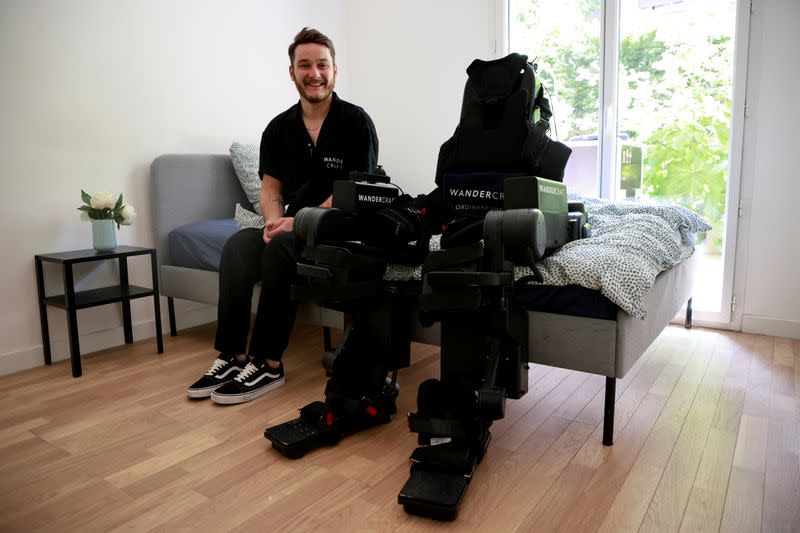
pixel 246 260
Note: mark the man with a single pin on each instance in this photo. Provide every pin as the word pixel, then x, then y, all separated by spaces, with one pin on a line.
pixel 303 151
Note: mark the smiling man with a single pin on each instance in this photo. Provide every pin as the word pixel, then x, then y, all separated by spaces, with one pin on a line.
pixel 303 151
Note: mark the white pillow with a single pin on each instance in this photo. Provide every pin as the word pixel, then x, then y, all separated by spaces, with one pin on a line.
pixel 247 219
pixel 245 162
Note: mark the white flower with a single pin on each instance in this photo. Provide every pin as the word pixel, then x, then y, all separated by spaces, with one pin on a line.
pixel 128 213
pixel 105 206
pixel 103 200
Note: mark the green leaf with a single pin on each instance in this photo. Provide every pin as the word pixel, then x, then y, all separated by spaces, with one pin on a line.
pixel 86 208
pixel 86 198
pixel 118 205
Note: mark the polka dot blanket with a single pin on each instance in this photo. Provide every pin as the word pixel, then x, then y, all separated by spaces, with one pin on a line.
pixel 631 244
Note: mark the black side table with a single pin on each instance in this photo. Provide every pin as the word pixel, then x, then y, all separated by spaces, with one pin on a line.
pixel 72 301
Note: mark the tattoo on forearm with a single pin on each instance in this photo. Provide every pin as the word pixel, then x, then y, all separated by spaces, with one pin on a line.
pixel 277 198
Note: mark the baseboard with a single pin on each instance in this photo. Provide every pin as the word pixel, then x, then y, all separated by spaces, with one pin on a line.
pixel 186 317
pixel 771 326
pixel 102 340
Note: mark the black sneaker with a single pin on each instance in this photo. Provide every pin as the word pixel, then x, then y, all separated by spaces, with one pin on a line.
pixel 256 379
pixel 222 370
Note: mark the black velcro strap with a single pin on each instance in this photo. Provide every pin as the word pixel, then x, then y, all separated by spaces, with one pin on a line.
pixel 343 405
pixel 317 413
pixel 342 256
pixel 440 427
pixel 398 232
pixel 461 231
pixel 454 458
pixel 453 257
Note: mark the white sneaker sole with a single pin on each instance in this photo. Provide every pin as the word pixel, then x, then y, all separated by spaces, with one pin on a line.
pixel 201 393
pixel 228 399
pixel 205 392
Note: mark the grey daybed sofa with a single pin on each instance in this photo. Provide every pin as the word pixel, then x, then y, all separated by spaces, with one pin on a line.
pixel 194 188
pixel 198 187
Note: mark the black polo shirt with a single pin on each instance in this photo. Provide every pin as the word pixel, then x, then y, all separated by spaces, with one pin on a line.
pixel 347 141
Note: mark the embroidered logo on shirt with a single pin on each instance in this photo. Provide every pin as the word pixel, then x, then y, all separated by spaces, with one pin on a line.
pixel 336 163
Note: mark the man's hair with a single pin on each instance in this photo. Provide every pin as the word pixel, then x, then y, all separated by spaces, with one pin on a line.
pixel 310 35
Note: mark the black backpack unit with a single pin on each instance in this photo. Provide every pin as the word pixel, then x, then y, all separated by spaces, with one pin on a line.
pixel 502 133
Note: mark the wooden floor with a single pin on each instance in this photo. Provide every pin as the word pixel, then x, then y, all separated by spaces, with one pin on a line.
pixel 707 439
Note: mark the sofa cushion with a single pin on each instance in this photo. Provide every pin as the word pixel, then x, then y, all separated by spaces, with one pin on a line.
pixel 199 244
pixel 245 162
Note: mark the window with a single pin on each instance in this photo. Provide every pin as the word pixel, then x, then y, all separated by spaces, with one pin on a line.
pixel 642 91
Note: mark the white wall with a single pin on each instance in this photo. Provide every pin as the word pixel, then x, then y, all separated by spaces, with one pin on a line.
pixel 409 63
pixel 92 91
pixel 767 282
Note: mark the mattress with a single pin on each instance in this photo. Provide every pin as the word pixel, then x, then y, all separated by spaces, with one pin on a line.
pixel 631 244
pixel 199 246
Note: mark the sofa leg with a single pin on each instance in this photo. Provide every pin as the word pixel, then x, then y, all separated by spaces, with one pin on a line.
pixel 688 323
pixel 608 417
pixel 173 331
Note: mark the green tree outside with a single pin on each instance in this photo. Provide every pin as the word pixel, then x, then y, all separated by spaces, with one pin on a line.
pixel 674 87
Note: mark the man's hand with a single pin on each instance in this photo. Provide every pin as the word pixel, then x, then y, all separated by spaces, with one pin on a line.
pixel 276 227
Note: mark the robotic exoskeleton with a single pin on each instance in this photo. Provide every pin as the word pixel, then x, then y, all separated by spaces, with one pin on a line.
pixel 484 340
pixel 342 266
pixel 496 216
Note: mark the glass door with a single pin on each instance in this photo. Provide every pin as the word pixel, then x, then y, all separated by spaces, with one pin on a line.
pixel 562 38
pixel 643 92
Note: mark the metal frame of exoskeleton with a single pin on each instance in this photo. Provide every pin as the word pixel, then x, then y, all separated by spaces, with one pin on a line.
pixel 484 334
pixel 335 272
pixel 484 339
pixel 501 138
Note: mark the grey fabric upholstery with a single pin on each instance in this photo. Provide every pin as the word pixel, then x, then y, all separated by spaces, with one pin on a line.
pixel 189 188
pixel 610 347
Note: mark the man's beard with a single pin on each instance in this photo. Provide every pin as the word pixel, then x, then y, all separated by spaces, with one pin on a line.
pixel 316 98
